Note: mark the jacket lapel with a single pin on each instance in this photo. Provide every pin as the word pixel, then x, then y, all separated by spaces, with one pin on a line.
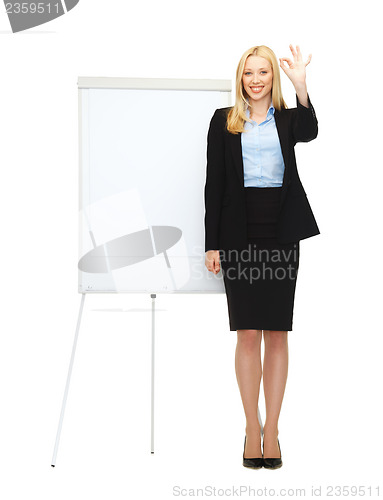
pixel 236 148
pixel 281 123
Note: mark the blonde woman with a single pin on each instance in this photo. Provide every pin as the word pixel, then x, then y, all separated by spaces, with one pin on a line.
pixel 256 213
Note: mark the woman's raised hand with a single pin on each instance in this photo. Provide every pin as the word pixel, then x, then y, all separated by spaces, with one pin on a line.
pixel 296 69
pixel 212 261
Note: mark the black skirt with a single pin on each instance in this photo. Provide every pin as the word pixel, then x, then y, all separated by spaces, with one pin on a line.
pixel 260 281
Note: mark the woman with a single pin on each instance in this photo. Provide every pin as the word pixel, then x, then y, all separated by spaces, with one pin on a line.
pixel 256 212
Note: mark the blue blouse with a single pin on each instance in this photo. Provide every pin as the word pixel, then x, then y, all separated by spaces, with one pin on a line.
pixel 263 163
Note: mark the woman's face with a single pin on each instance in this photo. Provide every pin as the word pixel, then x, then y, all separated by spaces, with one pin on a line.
pixel 257 78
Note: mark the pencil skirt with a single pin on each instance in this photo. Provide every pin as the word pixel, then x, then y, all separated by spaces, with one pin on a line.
pixel 260 280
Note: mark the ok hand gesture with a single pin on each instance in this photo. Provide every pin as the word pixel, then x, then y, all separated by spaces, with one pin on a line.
pixel 296 70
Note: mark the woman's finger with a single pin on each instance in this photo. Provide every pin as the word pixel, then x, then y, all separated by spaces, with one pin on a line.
pixel 216 266
pixel 293 50
pixel 212 262
pixel 299 55
pixel 308 60
pixel 207 264
pixel 289 62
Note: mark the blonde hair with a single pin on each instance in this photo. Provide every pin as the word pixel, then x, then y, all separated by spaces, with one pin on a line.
pixel 236 117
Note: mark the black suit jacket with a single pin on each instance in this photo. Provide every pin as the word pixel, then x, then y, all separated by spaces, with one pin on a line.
pixel 225 209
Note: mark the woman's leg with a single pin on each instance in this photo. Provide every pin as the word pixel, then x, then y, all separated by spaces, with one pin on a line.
pixel 275 367
pixel 248 368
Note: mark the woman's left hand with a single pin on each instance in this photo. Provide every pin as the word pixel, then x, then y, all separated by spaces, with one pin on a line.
pixel 296 70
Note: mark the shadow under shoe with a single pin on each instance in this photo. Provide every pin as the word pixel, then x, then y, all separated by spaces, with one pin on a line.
pixel 252 463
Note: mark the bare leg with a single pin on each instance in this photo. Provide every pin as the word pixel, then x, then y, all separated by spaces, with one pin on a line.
pixel 275 368
pixel 248 368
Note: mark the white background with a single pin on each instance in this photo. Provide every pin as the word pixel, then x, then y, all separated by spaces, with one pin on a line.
pixel 329 427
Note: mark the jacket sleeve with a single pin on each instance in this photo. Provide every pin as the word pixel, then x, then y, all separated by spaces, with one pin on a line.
pixel 305 125
pixel 215 181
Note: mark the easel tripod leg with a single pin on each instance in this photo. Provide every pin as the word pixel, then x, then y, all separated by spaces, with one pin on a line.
pixel 67 382
pixel 153 296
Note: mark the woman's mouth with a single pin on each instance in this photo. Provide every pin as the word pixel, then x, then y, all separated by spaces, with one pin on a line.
pixel 256 90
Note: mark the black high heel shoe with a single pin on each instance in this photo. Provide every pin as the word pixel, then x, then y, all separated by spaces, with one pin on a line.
pixel 253 463
pixel 272 463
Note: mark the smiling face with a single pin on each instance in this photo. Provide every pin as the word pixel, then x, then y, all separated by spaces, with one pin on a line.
pixel 257 79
